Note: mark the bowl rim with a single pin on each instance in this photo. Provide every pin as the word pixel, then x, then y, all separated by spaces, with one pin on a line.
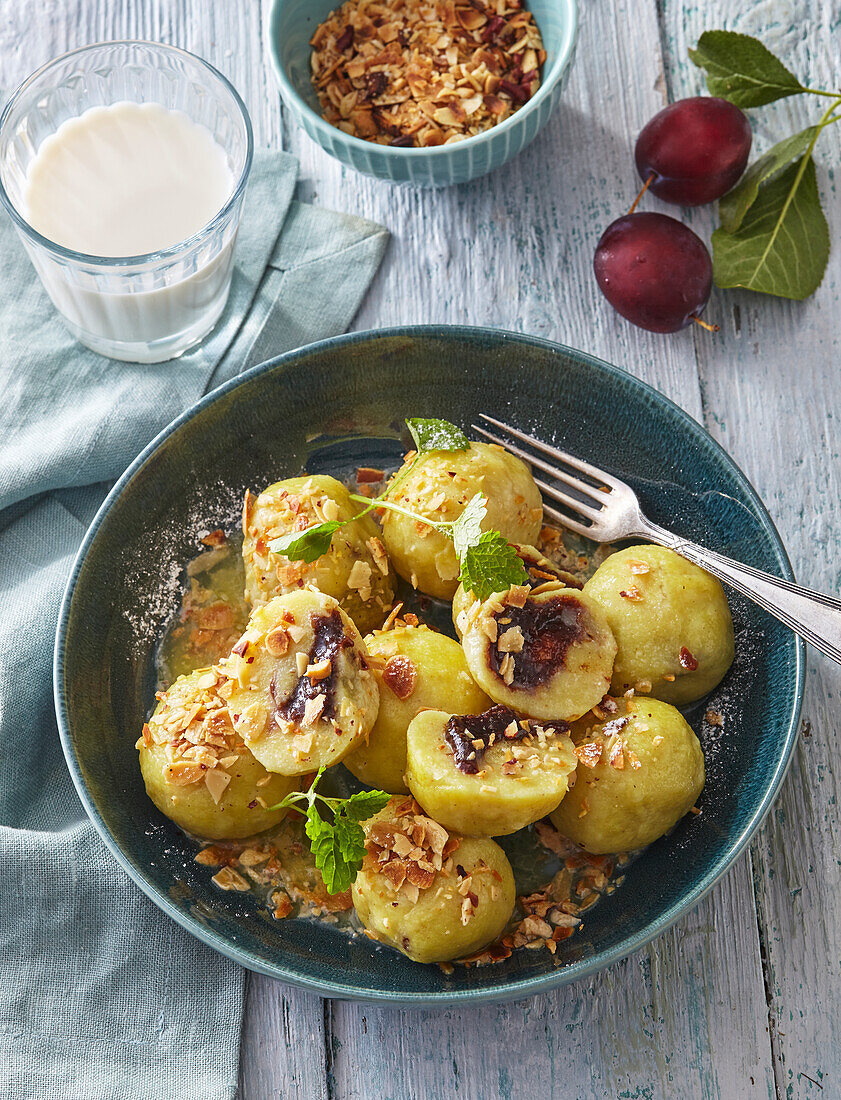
pixel 515 990
pixel 327 130
pixel 140 259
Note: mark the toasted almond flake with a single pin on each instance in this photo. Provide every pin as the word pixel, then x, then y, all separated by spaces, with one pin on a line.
pixel 216 782
pixel 517 595
pixel 301 663
pixel 511 641
pixel 319 671
pixel 313 709
pixel 277 641
pixel 640 568
pixel 229 879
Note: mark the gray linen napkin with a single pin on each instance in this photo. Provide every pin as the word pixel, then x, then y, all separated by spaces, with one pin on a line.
pixel 101 996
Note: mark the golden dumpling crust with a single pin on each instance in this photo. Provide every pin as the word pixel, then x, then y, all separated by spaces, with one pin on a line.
pixel 416 669
pixel 304 695
pixel 546 653
pixel 196 768
pixel 520 776
pixel 539 570
pixel 355 570
pixel 433 895
pixel 439 487
pixel 639 772
pixel 671 622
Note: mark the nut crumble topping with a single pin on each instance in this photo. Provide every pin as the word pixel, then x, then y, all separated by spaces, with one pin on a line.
pixel 425 72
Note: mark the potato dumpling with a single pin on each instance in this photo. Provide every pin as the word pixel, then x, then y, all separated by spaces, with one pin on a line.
pixel 547 653
pixel 540 571
pixel 488 774
pixel 439 487
pixel 431 894
pixel 304 695
pixel 638 774
pixel 670 620
pixel 197 770
pixel 355 570
pixel 423 670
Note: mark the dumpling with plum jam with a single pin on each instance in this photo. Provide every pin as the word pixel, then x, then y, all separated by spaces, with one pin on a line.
pixel 197 770
pixel 438 488
pixel 539 570
pixel 488 774
pixel 433 895
pixel 416 669
pixel 546 653
pixel 355 569
pixel 304 695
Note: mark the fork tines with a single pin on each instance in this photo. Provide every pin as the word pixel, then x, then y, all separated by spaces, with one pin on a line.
pixel 586 498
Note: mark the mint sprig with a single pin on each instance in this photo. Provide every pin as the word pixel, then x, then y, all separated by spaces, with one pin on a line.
pixel 338 844
pixel 306 545
pixel 773 236
pixel 436 435
pixel 493 567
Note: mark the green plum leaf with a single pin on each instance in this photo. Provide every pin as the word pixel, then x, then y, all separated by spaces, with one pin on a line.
pixel 782 244
pixel 739 68
pixel 736 203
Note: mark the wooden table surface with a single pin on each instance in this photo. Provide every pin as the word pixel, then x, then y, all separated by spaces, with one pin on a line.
pixel 743 997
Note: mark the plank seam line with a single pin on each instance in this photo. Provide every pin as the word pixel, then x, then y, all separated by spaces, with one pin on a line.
pixel 766 977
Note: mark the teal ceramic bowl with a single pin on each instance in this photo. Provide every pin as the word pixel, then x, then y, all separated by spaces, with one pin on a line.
pixel 333 406
pixel 291 27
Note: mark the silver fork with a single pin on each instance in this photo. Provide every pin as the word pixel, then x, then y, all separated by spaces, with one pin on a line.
pixel 605 509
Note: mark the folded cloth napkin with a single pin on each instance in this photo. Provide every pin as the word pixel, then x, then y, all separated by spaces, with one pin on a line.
pixel 102 997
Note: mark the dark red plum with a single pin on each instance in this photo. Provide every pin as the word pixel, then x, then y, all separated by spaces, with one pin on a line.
pixel 694 150
pixel 654 271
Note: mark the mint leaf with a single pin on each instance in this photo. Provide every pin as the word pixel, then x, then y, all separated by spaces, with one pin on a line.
pixel 319 831
pixel 365 804
pixel 782 244
pixel 467 529
pixel 437 435
pixel 491 565
pixel 741 69
pixel 735 204
pixel 306 545
pixel 338 846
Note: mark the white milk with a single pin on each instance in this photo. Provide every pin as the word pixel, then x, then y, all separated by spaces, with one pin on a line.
pixel 126 180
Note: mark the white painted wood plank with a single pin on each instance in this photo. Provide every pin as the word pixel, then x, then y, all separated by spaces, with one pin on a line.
pixel 515 250
pixel 771 390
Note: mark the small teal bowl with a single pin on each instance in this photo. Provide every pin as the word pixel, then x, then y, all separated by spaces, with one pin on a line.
pixel 331 407
pixel 292 25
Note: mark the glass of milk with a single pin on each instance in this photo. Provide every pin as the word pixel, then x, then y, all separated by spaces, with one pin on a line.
pixel 123 166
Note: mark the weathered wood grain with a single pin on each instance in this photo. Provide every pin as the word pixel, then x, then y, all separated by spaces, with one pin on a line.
pixel 687 1016
pixel 770 386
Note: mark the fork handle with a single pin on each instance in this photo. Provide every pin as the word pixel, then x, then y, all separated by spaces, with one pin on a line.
pixel 812 615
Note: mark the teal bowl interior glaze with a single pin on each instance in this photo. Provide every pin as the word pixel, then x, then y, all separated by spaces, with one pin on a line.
pixel 292 25
pixel 342 403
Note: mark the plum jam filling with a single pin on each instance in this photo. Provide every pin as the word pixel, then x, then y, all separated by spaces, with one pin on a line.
pixel 549 628
pixel 329 639
pixel 470 735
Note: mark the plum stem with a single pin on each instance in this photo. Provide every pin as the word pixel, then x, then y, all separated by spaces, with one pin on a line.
pixel 645 187
pixel 705 324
